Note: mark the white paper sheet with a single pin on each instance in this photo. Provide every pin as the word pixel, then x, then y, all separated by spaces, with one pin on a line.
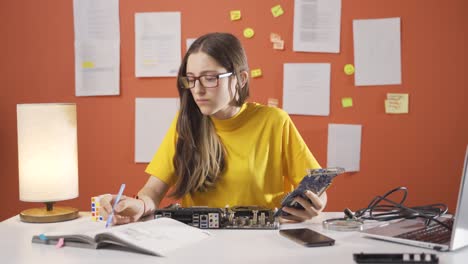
pixel 317 25
pixel 97 47
pixel 157 44
pixel 306 88
pixel 153 117
pixel 377 51
pixel 189 41
pixel 97 68
pixel 344 146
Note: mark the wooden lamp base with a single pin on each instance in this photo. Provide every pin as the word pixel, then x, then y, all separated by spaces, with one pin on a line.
pixel 48 214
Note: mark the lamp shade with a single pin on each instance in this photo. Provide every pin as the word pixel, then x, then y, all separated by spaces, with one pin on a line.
pixel 47 152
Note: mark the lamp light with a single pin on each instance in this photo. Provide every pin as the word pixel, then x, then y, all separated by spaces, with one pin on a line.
pixel 47 159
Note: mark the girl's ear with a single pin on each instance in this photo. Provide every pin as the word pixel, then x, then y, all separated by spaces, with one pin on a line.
pixel 244 75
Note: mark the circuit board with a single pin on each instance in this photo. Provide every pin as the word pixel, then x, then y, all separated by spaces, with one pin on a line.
pixel 316 180
pixel 239 217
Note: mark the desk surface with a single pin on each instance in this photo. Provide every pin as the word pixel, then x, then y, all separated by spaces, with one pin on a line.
pixel 225 246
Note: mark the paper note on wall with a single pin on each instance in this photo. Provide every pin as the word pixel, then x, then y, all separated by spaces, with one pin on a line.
pixel 397 103
pixel 377 51
pixel 157 39
pixel 317 26
pixel 277 11
pixel 344 146
pixel 97 68
pixel 306 88
pixel 255 73
pixel 347 102
pixel 153 117
pixel 235 15
pixel 189 42
pixel 97 47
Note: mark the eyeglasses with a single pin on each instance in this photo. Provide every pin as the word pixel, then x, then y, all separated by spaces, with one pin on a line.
pixel 206 80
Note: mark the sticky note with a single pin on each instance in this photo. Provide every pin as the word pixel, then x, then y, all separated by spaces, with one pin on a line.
pixel 249 33
pixel 278 45
pixel 397 103
pixel 273 102
pixel 277 10
pixel 347 102
pixel 60 243
pixel 87 65
pixel 275 37
pixel 43 237
pixel 235 15
pixel 349 69
pixel 256 73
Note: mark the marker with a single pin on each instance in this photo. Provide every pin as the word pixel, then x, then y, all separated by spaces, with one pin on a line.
pixel 117 199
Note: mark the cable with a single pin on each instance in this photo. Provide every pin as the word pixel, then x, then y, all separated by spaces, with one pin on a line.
pixel 396 210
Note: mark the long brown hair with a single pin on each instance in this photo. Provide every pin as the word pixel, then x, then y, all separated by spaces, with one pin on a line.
pixel 200 157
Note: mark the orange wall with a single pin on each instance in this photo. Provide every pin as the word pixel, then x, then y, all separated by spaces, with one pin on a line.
pixel 423 150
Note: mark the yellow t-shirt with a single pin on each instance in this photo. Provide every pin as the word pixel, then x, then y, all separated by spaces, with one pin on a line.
pixel 264 155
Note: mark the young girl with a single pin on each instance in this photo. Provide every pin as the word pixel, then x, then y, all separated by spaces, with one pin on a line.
pixel 221 150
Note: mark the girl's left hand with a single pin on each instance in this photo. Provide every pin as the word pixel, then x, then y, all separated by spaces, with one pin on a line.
pixel 312 207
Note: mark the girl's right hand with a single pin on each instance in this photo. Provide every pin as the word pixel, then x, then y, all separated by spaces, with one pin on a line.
pixel 126 211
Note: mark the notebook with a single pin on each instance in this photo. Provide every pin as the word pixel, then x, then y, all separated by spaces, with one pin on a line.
pixel 414 231
pixel 157 237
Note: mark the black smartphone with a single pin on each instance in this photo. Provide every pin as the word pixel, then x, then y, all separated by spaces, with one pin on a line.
pixel 307 237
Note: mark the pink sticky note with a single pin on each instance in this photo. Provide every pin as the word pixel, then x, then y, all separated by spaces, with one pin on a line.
pixel 60 243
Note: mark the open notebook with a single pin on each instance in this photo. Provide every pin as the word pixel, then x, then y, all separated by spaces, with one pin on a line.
pixel 155 237
pixel 415 232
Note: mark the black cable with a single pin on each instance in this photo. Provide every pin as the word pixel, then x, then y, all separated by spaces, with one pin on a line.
pixel 396 210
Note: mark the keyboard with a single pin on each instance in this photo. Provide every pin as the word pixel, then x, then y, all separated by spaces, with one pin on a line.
pixel 434 233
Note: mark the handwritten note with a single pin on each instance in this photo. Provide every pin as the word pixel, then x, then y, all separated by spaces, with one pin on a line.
pixel 397 103
pixel 278 43
pixel 256 73
pixel 235 15
pixel 273 102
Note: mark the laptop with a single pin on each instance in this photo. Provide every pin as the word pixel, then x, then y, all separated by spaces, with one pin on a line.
pixel 410 231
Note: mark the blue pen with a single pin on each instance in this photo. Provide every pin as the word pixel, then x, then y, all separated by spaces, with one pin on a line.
pixel 117 199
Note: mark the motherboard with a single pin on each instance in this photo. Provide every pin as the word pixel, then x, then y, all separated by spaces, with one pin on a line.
pixel 238 217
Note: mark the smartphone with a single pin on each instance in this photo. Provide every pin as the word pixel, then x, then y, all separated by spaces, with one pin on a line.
pixel 307 237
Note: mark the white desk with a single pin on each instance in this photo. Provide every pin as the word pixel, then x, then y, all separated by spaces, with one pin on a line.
pixel 225 246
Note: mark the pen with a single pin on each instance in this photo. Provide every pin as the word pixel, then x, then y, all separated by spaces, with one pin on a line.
pixel 117 199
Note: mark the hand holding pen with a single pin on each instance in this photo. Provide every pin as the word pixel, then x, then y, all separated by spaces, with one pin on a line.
pixel 121 209
pixel 117 199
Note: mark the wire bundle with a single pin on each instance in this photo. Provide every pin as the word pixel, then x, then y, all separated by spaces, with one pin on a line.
pixel 381 208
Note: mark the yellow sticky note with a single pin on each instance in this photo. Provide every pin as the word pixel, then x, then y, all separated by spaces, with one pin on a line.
pixel 87 65
pixel 397 103
pixel 346 102
pixel 275 37
pixel 256 73
pixel 278 45
pixel 277 11
pixel 249 32
pixel 349 69
pixel 235 15
pixel 273 102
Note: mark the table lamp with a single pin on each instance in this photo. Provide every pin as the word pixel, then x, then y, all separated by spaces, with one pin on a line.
pixel 47 160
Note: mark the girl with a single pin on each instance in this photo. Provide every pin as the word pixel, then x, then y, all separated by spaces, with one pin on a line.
pixel 221 150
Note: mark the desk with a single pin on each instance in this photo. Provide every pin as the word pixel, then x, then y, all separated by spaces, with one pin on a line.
pixel 225 246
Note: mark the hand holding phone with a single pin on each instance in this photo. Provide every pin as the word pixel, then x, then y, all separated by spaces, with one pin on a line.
pixel 307 237
pixel 316 180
